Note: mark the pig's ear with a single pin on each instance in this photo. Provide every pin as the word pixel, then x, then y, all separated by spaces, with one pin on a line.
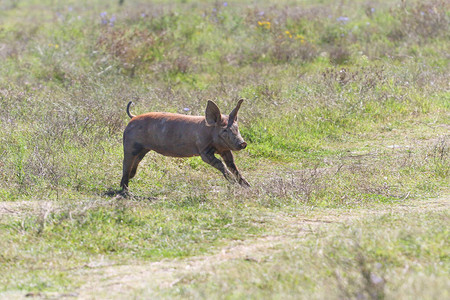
pixel 233 114
pixel 212 113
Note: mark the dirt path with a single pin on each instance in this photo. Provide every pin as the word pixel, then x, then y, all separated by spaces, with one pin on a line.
pixel 124 281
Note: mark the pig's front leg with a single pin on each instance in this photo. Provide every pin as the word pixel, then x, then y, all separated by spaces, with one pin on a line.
pixel 209 158
pixel 229 161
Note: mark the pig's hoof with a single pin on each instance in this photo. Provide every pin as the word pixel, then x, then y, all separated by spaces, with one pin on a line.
pixel 244 182
pixel 125 193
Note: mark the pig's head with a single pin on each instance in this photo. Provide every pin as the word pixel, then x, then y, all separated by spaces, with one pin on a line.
pixel 226 134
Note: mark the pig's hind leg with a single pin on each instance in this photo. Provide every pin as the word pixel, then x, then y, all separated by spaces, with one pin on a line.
pixel 132 158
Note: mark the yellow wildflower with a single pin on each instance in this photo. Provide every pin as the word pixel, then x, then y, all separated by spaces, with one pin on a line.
pixel 265 24
pixel 301 38
pixel 288 34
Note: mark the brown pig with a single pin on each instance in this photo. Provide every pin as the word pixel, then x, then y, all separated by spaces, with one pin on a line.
pixel 184 136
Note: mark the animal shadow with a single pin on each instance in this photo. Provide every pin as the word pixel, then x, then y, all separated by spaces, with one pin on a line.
pixel 121 194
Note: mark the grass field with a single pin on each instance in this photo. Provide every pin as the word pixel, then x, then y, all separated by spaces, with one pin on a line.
pixel 347 120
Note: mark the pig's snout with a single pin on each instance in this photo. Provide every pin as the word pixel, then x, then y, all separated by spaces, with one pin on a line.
pixel 243 145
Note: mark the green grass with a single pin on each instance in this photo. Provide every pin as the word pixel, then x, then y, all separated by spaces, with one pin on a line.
pixel 356 260
pixel 347 108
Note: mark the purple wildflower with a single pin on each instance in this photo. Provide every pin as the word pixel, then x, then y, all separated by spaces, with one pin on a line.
pixel 112 20
pixel 343 19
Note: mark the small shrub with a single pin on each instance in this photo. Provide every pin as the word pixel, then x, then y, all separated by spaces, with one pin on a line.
pixel 339 55
pixel 425 20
